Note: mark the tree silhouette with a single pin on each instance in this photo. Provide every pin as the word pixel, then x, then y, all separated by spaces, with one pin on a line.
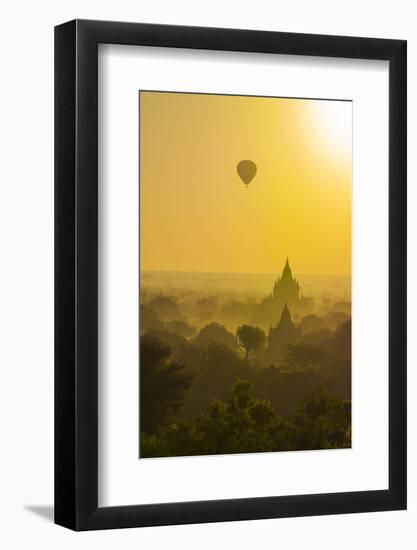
pixel 182 328
pixel 163 383
pixel 302 357
pixel 218 368
pixel 217 334
pixel 165 307
pixel 149 319
pixel 322 422
pixel 241 424
pixel 207 308
pixel 245 424
pixel 250 338
pixel 312 323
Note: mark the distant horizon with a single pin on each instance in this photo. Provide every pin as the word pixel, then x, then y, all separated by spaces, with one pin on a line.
pixel 214 272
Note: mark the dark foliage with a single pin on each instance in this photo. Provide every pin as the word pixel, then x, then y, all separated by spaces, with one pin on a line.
pixel 247 424
pixel 165 307
pixel 204 396
pixel 219 367
pixel 285 388
pixel 182 328
pixel 322 422
pixel 312 323
pixel 149 320
pixel 250 338
pixel 163 383
pixel 217 334
pixel 169 339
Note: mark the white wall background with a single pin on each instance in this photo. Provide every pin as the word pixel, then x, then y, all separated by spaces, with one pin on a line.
pixel 26 275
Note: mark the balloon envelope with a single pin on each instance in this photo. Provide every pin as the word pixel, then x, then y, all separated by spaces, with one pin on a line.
pixel 246 170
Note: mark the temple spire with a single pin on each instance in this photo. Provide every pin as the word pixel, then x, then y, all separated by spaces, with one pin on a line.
pixel 286 272
pixel 286 315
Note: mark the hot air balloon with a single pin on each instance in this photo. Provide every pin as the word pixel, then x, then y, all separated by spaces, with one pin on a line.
pixel 247 171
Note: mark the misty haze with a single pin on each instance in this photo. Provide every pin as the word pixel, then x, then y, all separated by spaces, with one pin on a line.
pixel 245 274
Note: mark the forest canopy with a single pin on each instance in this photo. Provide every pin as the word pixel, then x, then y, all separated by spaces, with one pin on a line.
pixel 214 384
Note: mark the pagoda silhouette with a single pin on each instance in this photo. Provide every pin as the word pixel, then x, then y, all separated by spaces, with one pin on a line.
pixel 281 336
pixel 285 292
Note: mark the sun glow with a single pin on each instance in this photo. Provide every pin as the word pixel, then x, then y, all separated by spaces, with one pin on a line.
pixel 332 121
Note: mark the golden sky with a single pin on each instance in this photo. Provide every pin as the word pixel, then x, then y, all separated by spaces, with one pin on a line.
pixel 197 215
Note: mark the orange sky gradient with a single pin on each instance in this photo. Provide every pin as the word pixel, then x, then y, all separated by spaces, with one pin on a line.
pixel 197 215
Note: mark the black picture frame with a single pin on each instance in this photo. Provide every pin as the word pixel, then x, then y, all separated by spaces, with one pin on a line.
pixel 76 272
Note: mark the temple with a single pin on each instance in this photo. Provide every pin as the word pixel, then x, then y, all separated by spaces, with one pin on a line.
pixel 281 336
pixel 286 291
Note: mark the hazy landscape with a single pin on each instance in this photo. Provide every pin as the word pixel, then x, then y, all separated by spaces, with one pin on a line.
pixel 236 376
pixel 186 287
pixel 245 274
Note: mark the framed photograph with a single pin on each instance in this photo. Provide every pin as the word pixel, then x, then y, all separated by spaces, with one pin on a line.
pixel 230 284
